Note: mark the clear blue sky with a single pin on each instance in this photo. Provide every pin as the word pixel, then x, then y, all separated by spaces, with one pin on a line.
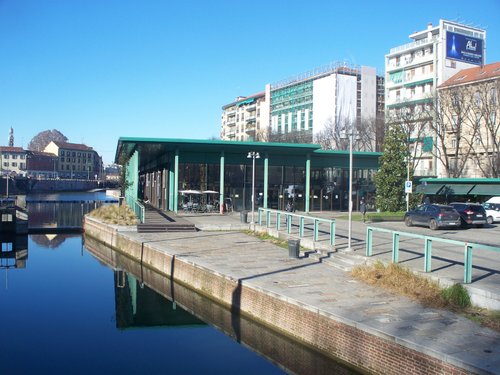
pixel 100 69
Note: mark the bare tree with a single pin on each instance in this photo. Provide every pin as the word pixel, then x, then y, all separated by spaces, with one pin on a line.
pixel 334 136
pixel 467 128
pixel 487 139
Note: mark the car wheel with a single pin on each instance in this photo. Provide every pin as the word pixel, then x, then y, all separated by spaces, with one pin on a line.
pixel 433 224
pixel 408 221
pixel 489 220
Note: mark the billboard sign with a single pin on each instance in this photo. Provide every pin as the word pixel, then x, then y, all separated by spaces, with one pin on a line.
pixel 464 48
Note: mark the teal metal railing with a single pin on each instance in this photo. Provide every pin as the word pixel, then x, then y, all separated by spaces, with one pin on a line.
pixel 428 240
pixel 138 208
pixel 266 215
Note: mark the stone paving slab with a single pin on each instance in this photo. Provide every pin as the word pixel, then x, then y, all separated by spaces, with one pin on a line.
pixel 320 288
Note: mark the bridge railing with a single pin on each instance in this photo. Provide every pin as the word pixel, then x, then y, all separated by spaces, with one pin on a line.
pixel 266 216
pixel 428 241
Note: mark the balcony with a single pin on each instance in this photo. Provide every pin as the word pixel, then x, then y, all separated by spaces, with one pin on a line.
pixel 413 45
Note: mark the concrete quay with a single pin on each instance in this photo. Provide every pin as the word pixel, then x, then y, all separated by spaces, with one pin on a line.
pixel 309 300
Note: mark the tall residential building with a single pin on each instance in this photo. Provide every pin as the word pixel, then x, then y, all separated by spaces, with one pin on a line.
pixel 414 70
pixel 244 118
pixel 338 95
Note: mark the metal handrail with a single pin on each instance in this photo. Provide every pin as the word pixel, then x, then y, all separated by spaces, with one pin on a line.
pixel 301 220
pixel 468 247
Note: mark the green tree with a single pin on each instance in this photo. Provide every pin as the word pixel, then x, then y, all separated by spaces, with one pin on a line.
pixel 391 177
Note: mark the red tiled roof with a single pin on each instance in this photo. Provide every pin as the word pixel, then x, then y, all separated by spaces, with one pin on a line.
pixel 73 146
pixel 11 149
pixel 478 73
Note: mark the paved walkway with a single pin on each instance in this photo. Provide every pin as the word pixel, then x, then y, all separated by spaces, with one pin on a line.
pixel 310 281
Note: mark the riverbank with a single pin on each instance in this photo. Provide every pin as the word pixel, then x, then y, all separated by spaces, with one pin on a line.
pixel 312 302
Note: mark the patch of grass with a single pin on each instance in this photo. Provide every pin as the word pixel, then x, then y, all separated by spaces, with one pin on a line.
pixel 403 281
pixel 456 295
pixel 266 237
pixel 114 214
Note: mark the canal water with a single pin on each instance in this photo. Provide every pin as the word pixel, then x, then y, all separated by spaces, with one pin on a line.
pixel 69 305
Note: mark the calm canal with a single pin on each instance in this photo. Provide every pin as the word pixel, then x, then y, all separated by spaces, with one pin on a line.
pixel 69 305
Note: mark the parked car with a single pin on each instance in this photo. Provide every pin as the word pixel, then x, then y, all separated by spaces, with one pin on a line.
pixel 433 215
pixel 492 212
pixel 470 213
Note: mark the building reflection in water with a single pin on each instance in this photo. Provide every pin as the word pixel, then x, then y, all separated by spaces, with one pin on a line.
pixel 51 240
pixel 146 298
pixel 140 306
pixel 13 251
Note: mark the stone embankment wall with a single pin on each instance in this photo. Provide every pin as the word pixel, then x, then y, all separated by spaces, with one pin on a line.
pixel 369 351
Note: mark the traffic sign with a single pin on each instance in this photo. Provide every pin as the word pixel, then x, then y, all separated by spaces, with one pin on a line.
pixel 408 187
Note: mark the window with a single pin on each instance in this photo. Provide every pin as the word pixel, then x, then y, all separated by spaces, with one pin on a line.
pixel 454 143
pixel 6 156
pixel 493 117
pixel 477 98
pixel 14 156
pixel 62 152
pixel 493 96
pixel 14 164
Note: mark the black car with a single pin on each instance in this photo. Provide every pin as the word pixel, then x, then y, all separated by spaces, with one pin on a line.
pixel 434 216
pixel 471 213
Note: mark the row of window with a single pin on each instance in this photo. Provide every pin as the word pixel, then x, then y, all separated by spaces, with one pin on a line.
pixel 13 156
pixel 75 153
pixel 14 164
pixel 75 160
pixel 73 167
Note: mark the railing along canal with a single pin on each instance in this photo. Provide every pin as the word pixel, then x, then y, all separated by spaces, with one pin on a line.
pixel 138 208
pixel 428 240
pixel 266 214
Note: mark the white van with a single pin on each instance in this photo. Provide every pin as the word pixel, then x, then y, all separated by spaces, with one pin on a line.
pixel 493 200
pixel 492 207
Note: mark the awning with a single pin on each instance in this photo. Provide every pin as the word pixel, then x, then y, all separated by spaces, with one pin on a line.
pixel 429 189
pixel 491 189
pixel 457 189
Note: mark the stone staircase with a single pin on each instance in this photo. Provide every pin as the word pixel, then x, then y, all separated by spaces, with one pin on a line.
pixel 342 261
pixel 156 220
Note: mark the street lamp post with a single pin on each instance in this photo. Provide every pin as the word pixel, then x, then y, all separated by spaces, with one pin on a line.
pixel 253 155
pixel 349 248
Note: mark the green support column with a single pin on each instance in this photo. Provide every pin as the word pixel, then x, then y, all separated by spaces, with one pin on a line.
pixel 266 182
pixel 308 182
pixel 171 176
pixel 221 194
pixel 176 181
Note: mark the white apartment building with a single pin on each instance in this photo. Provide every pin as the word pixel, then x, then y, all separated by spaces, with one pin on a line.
pixel 414 70
pixel 338 94
pixel 244 118
pixel 12 161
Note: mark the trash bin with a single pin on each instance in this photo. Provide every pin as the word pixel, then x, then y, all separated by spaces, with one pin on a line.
pixel 243 216
pixel 293 248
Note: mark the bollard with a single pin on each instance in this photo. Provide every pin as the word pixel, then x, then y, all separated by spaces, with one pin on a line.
pixel 243 216
pixel 293 248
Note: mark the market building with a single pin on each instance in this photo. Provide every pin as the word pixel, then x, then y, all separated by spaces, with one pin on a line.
pixel 167 172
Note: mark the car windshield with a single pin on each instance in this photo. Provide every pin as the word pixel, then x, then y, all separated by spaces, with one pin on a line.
pixel 447 210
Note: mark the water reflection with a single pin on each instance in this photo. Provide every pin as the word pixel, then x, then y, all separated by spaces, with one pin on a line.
pixel 51 240
pixel 136 279
pixel 140 306
pixel 13 251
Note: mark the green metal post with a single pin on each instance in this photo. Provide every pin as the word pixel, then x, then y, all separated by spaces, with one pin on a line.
pixel 278 221
pixel 171 177
pixel 268 219
pixel 316 229
pixel 395 247
pixel 369 241
pixel 259 216
pixel 468 264
pixel 266 178
pixel 308 183
pixel 428 255
pixel 176 181
pixel 221 181
pixel 332 232
pixel 301 226
pixel 289 223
